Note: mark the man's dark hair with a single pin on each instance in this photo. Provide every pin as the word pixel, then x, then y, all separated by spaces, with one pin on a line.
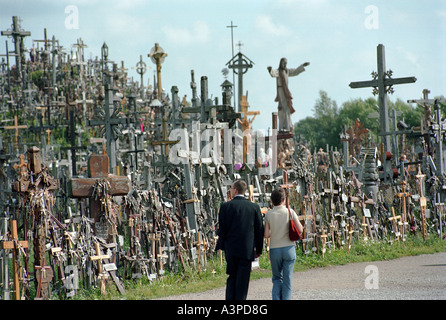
pixel 277 196
pixel 240 186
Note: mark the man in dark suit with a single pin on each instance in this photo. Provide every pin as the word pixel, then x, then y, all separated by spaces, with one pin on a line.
pixel 240 235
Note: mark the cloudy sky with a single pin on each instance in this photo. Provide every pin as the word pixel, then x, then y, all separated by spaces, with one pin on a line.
pixel 339 39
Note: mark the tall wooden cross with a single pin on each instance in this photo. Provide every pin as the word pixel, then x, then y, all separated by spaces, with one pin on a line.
pixel 16 127
pixel 382 83
pixel 423 202
pixel 15 245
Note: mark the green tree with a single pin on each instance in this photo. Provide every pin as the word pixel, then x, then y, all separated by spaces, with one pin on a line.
pixel 323 128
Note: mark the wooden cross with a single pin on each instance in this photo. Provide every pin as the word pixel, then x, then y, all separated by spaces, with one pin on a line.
pixel 403 194
pixel 286 186
pixel 158 55
pixel 16 127
pixel 356 134
pixel 350 236
pixel 394 220
pixel 15 245
pixel 423 202
pixel 164 142
pixel 44 275
pixel 199 243
pixel 323 241
pixel 98 169
pixel 382 83
pixel 102 274
pixel 425 103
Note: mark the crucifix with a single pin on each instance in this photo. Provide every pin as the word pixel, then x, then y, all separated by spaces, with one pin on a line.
pixel 17 247
pixel 17 34
pixel 382 84
pixel 356 134
pixel 426 104
pixel 158 55
pixel 246 126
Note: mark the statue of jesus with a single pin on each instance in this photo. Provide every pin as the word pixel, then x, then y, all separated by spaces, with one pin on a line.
pixel 283 93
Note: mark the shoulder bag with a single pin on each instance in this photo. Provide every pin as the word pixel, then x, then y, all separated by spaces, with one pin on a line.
pixel 294 231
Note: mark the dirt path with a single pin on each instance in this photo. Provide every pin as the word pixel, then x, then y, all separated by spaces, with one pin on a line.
pixel 418 277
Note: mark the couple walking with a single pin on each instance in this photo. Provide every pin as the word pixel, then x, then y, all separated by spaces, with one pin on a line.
pixel 241 233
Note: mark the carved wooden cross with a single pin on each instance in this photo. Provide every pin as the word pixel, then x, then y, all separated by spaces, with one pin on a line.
pixel 15 245
pixel 98 169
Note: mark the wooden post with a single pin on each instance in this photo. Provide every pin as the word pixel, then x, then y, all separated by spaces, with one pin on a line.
pixel 15 245
pixel 198 243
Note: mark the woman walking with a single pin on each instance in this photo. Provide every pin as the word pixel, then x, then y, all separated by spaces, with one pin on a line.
pixel 282 252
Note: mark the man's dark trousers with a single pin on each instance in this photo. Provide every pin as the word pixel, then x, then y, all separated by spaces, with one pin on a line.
pixel 239 271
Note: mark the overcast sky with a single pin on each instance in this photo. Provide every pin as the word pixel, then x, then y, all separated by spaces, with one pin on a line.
pixel 339 39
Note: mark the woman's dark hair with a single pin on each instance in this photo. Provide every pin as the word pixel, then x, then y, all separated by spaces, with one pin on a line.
pixel 277 196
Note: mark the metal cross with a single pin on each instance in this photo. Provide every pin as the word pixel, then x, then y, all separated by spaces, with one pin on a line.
pixel 382 83
pixel 240 65
pixel 17 34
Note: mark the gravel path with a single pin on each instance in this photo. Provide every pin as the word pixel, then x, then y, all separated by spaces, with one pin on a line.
pixel 408 278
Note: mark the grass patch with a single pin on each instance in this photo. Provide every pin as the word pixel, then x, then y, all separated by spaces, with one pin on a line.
pixel 189 280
